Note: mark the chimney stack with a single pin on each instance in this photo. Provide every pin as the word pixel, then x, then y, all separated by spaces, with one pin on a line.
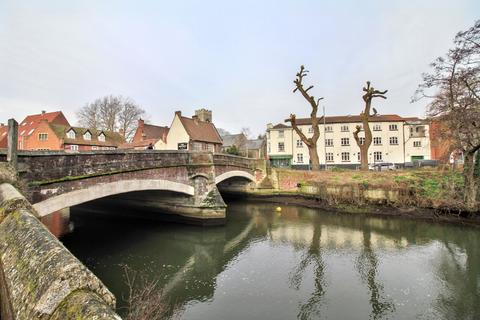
pixel 178 113
pixel 195 119
pixel 43 112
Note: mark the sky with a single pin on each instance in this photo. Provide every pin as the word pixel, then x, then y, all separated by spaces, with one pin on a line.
pixel 237 58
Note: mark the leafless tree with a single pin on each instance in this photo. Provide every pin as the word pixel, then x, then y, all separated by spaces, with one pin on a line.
pixel 311 143
pixel 111 113
pixel 370 93
pixel 453 86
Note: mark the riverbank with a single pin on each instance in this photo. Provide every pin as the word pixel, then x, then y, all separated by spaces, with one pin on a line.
pixel 429 194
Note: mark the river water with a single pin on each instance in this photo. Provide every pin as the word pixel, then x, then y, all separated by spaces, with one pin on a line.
pixel 297 263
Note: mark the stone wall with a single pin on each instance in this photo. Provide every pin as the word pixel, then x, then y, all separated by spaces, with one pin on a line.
pixel 39 277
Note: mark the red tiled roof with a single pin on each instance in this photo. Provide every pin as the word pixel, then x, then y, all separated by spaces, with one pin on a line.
pixel 3 136
pixel 201 130
pixel 30 123
pixel 350 118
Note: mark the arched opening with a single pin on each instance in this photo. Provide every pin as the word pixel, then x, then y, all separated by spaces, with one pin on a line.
pixel 102 190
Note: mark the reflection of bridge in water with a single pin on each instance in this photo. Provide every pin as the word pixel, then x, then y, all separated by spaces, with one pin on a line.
pixel 202 257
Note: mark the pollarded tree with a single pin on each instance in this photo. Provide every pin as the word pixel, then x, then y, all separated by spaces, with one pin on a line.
pixel 311 143
pixel 370 93
pixel 455 82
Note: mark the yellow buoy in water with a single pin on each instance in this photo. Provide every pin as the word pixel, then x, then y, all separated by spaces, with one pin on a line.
pixel 278 209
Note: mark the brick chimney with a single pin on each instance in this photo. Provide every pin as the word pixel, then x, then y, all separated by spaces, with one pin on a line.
pixel 195 119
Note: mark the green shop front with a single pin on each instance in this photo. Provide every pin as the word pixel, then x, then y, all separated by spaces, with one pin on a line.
pixel 281 161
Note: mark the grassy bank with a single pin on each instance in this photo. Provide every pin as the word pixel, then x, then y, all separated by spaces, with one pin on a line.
pixel 437 189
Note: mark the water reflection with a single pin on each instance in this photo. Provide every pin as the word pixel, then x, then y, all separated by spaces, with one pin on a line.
pixel 300 263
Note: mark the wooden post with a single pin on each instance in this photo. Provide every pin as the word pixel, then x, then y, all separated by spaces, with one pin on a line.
pixel 12 140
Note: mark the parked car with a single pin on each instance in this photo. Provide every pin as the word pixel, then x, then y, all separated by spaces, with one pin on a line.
pixel 384 166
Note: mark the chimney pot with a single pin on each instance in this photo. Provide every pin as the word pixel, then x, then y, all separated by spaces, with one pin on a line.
pixel 43 111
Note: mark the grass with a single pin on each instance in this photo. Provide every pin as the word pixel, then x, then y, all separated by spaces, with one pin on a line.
pixel 435 186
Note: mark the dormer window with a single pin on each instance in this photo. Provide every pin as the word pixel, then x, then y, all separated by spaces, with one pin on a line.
pixel 71 134
pixel 101 137
pixel 87 136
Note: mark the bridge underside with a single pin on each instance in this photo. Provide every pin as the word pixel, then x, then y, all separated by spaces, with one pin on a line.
pixel 181 183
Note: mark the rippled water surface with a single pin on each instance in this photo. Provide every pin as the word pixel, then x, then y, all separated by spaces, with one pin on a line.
pixel 295 264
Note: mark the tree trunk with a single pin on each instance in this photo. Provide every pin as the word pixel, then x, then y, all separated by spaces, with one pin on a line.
pixel 314 157
pixel 470 183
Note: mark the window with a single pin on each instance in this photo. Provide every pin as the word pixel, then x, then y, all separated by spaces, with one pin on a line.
pixel 87 136
pixel 310 130
pixel 101 137
pixel 345 156
pixel 281 134
pixel 345 141
pixel 94 148
pixel 43 136
pixel 211 147
pixel 377 127
pixel 393 140
pixel 377 141
pixel 71 134
pixel 328 129
pixel 269 148
pixel 74 147
pixel 299 157
pixel 362 140
pixel 377 156
pixel 417 143
pixel 393 127
pixel 299 144
pixel 361 127
pixel 329 156
pixel 359 157
pixel 197 146
pixel 281 147
pixel 329 142
pixel 344 129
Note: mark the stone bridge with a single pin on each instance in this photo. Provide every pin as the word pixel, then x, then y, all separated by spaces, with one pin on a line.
pixel 57 180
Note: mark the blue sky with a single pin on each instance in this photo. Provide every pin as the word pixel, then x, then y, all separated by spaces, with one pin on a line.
pixel 238 58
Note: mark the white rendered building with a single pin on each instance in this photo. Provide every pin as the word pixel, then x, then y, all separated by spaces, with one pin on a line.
pixel 396 140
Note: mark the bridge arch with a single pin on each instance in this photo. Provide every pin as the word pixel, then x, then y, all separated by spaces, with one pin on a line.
pixel 232 174
pixel 101 190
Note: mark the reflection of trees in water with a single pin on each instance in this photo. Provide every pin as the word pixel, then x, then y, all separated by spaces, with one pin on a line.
pixel 458 270
pixel 367 266
pixel 313 256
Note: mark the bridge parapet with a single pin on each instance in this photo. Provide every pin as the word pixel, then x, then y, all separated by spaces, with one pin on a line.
pixel 45 166
pixel 39 278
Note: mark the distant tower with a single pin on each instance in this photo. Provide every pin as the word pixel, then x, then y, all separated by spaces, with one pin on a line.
pixel 204 115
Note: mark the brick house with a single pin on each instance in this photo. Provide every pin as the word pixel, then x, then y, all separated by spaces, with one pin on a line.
pixel 3 136
pixel 52 131
pixel 195 133
pixel 34 129
pixel 147 134
pixel 86 139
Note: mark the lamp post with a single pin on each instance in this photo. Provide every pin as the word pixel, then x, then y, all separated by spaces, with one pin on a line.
pixel 324 140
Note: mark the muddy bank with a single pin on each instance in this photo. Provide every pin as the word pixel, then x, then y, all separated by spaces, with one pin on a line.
pixel 371 209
